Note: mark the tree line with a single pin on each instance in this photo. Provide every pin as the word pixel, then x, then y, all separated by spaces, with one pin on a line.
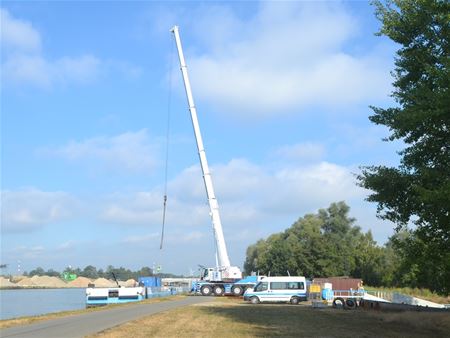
pixel 327 243
pixel 92 272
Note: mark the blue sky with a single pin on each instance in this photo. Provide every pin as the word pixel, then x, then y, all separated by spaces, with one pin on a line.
pixel 282 91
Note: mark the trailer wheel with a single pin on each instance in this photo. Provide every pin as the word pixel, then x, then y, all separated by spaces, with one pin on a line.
pixel 206 290
pixel 339 303
pixel 237 290
pixel 218 290
pixel 254 300
pixel 294 300
pixel 350 303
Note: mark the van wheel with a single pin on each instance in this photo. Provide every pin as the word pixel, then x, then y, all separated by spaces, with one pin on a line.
pixel 294 300
pixel 218 290
pixel 236 290
pixel 206 290
pixel 254 300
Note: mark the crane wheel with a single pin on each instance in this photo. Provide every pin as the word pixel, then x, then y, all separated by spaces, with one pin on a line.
pixel 218 290
pixel 237 290
pixel 206 290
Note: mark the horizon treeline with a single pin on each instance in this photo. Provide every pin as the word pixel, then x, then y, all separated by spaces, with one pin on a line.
pixel 92 272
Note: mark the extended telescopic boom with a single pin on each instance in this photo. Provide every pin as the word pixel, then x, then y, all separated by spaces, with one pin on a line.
pixel 222 254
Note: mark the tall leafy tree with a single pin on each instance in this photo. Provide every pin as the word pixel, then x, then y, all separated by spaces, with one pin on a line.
pixel 319 245
pixel 418 190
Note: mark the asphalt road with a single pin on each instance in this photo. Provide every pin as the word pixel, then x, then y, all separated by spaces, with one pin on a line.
pixel 92 322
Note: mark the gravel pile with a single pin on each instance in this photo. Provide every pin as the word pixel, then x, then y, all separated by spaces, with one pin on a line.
pixel 55 282
pixel 27 281
pixel 79 282
pixel 5 283
pixel 104 283
pixel 42 281
pixel 131 283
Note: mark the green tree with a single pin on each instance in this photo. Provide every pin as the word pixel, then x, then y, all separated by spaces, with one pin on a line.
pixel 418 190
pixel 90 271
pixel 320 245
pixel 37 272
pixel 145 271
pixel 52 273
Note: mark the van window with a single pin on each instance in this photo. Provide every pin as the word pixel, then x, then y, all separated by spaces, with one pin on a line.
pixel 296 285
pixel 287 285
pixel 261 286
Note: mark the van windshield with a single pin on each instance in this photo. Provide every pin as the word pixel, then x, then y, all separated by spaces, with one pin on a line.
pixel 261 286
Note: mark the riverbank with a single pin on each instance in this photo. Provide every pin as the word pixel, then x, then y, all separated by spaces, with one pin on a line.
pixel 6 323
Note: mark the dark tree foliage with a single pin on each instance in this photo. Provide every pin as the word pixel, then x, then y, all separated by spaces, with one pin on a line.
pixel 91 272
pixel 418 191
pixel 322 245
pixel 37 272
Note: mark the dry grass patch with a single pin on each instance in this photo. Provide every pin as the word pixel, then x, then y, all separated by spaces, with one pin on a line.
pixel 28 320
pixel 233 318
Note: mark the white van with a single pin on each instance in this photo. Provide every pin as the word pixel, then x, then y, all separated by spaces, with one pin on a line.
pixel 278 289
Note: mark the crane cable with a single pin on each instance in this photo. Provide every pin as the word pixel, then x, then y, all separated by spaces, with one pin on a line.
pixel 169 101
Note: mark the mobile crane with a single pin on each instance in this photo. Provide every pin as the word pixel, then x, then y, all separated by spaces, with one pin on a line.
pixel 223 278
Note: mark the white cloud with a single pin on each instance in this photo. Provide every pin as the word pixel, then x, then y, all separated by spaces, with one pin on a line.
pixel 247 193
pixel 290 55
pixel 35 70
pixel 18 34
pixel 255 201
pixel 31 209
pixel 130 151
pixel 146 209
pixel 24 62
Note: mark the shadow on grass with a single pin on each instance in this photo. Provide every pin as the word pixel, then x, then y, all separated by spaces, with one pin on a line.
pixel 273 319
pixel 270 320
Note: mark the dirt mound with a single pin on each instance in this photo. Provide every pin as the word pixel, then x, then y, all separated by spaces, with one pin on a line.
pixel 131 283
pixel 5 283
pixel 49 282
pixel 104 283
pixel 79 282
pixel 128 284
pixel 42 282
pixel 27 281
pixel 15 279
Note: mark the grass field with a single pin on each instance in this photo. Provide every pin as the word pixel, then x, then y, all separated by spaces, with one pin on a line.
pixel 226 317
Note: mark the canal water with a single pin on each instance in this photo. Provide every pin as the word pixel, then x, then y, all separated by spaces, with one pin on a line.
pixel 32 302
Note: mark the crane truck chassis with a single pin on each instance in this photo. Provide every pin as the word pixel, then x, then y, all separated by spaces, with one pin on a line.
pixel 220 288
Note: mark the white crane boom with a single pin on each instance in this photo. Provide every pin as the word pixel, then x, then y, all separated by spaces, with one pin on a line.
pixel 223 260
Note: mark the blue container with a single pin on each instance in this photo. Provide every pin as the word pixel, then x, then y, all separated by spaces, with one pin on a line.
pixel 150 281
pixel 327 294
